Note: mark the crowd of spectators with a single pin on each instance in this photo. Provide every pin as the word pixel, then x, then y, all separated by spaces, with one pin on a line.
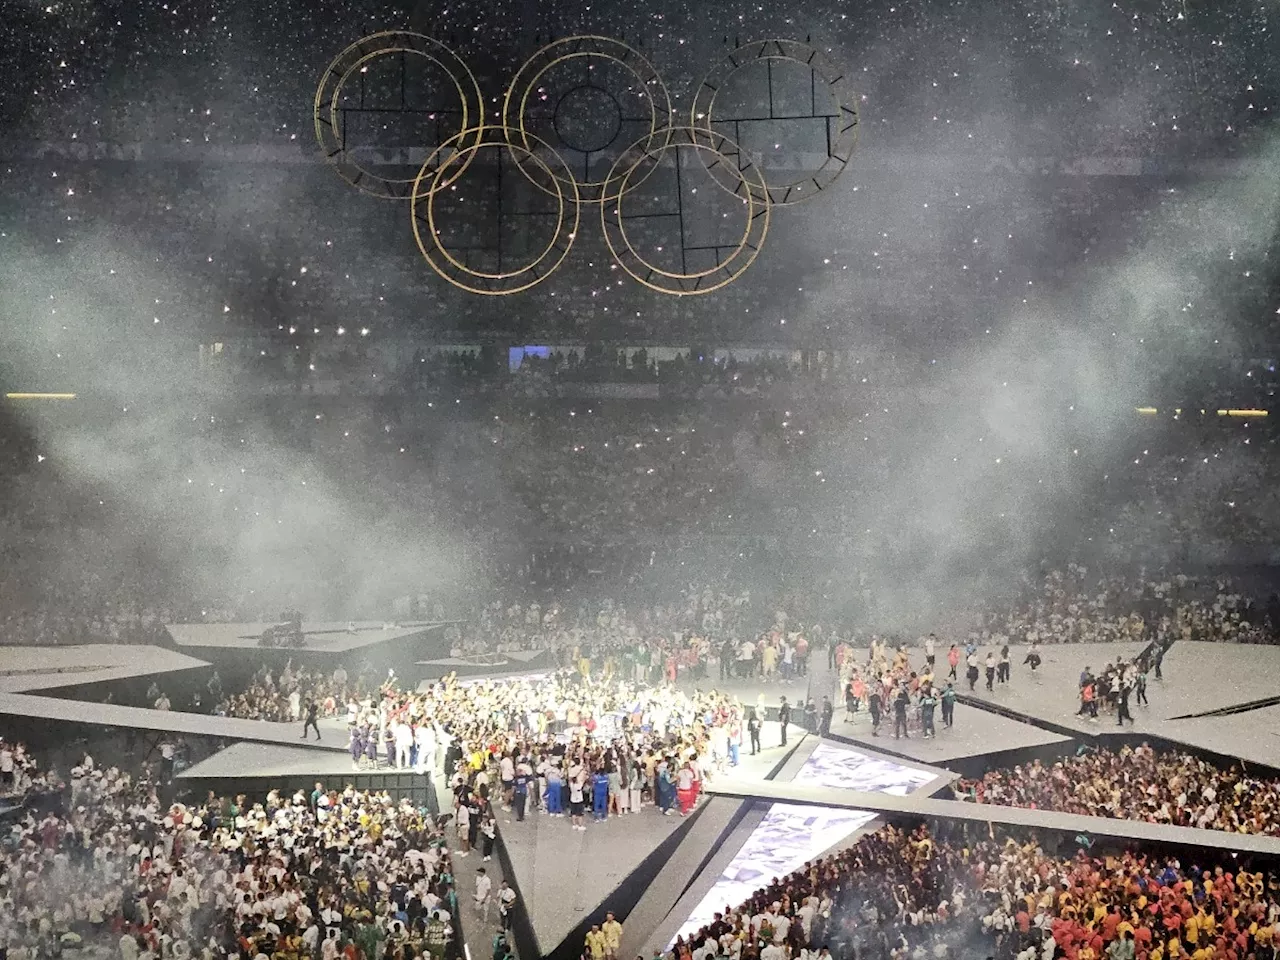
pixel 286 698
pixel 904 893
pixel 18 769
pixel 1137 783
pixel 116 872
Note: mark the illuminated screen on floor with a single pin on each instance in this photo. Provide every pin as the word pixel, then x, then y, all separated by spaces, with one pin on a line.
pixel 790 834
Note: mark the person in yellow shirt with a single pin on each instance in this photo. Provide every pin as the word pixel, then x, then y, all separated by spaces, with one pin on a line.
pixel 1191 930
pixel 596 943
pixel 612 931
pixel 1207 924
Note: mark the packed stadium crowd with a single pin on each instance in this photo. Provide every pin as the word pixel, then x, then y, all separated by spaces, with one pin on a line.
pixel 1137 783
pixel 115 872
pixel 904 893
pixel 614 481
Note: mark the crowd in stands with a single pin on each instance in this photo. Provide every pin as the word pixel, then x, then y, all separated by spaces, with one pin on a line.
pixel 615 485
pixel 66 627
pixel 116 872
pixel 903 893
pixel 1138 783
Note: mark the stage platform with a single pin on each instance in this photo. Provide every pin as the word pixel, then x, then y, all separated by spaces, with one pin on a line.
pixel 784 836
pixel 976 733
pixel 1198 678
pixel 24 669
pixel 924 807
pixel 246 760
pixel 320 637
pixel 514 659
pixel 161 721
pixel 563 875
pixel 1252 737
pixel 569 878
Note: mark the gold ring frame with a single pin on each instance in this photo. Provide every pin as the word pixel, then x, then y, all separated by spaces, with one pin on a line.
pixel 842 124
pixel 330 123
pixel 752 190
pixel 438 172
pixel 524 84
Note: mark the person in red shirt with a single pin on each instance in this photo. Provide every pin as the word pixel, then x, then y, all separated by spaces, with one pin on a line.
pixel 1109 925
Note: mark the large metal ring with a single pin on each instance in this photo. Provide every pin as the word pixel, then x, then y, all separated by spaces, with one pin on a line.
pixel 330 121
pixel 828 81
pixel 524 86
pixel 752 191
pixel 439 172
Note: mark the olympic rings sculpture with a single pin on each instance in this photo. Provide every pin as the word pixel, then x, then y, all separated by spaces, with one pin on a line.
pixel 531 136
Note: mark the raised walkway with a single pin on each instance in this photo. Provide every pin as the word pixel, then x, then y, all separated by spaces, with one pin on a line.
pixel 991 813
pixel 162 721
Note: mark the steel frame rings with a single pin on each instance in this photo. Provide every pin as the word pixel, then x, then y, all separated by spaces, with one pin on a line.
pixel 524 85
pixel 842 125
pixel 330 119
pixel 438 172
pixel 752 190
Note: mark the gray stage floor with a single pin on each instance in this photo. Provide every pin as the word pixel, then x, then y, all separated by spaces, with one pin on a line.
pixel 320 637
pixel 562 874
pixel 503 661
pixel 976 732
pixel 1198 677
pixel 169 721
pixel 1253 737
pixel 41 668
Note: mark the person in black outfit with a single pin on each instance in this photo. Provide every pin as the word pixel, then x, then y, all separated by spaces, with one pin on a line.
pixel 811 716
pixel 875 705
pixel 784 718
pixel 753 730
pixel 310 724
pixel 1123 711
pixel 900 703
pixel 824 720
pixel 728 652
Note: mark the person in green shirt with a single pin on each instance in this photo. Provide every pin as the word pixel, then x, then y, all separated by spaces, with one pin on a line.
pixel 928 703
pixel 948 705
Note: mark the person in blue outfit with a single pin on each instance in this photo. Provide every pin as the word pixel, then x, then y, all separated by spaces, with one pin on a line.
pixel 554 807
pixel 666 790
pixel 600 794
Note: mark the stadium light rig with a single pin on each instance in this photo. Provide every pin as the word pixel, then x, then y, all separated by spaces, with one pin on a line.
pixel 39 396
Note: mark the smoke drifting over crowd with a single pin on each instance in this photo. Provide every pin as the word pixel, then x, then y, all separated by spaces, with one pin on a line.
pixel 153 422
